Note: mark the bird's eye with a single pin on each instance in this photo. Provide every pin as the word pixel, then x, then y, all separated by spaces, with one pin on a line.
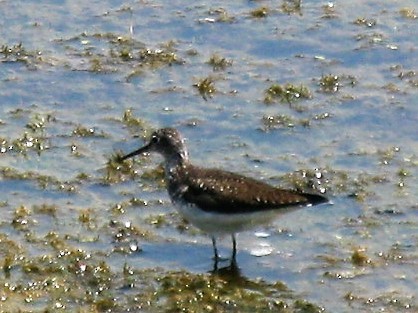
pixel 154 139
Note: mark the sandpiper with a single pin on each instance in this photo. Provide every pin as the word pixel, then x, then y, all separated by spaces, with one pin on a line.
pixel 218 201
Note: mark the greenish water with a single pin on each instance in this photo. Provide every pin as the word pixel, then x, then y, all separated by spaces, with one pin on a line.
pixel 264 88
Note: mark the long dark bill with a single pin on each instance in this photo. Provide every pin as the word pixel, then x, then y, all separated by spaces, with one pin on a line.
pixel 136 152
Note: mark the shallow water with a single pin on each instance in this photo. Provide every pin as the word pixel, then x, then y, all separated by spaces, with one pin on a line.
pixel 80 67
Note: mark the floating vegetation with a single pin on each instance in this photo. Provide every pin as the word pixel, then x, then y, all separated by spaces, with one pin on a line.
pixel 155 175
pixel 82 131
pixel 157 220
pixel 38 122
pixel 333 83
pixel 26 143
pixel 119 54
pixel 260 12
pixel 158 57
pixel 410 76
pixel 120 208
pixel 271 122
pixel 219 63
pixel 43 181
pixel 361 21
pixel 87 218
pixel 117 171
pixel 391 88
pixel 387 155
pixel 206 87
pixel 360 258
pixel 221 16
pixel 329 11
pixel 153 58
pixel 220 294
pixel 136 125
pixel 18 53
pixel 21 217
pixel 329 83
pixel 286 93
pixel 370 40
pixel 292 6
pixel 127 230
pixel 33 139
pixel 308 179
pixel 408 13
pixel 47 209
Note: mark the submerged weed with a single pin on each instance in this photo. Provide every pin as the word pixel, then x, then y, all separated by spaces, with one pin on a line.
pixel 359 257
pixel 117 170
pixel 292 6
pixel 329 83
pixel 260 12
pixel 271 122
pixel 82 131
pixel 44 181
pixel 158 57
pixel 205 87
pixel 18 53
pixel 21 217
pixel 329 11
pixel 408 13
pixel 219 63
pixel 222 16
pixel 286 93
pixel 333 83
pixel 34 139
pixel 361 21
pixel 47 209
pixel 38 122
pixel 135 124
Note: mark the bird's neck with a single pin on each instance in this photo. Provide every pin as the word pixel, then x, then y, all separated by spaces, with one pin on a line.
pixel 175 162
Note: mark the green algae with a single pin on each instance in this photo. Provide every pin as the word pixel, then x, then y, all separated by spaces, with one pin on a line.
pixel 219 63
pixel 271 122
pixel 329 11
pixel 408 13
pixel 34 137
pixel 119 53
pixel 136 125
pixel 182 291
pixel 116 171
pixel 82 131
pixel 61 291
pixel 205 87
pixel 367 22
pixel 26 143
pixel 87 218
pixel 220 15
pixel 43 181
pixel 260 12
pixel 291 7
pixel 18 53
pixel 156 220
pixel 95 285
pixel 359 257
pixel 331 83
pixel 288 93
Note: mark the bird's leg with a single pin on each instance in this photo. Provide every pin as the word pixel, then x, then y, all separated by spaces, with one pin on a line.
pixel 234 251
pixel 215 250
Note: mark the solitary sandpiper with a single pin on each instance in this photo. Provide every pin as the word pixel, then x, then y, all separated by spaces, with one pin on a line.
pixel 218 201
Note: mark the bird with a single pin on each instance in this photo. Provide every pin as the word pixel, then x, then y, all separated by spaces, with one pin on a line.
pixel 217 201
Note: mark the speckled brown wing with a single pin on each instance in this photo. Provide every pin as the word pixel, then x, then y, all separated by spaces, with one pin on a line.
pixel 225 192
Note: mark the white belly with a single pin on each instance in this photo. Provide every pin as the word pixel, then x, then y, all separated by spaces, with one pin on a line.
pixel 220 223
